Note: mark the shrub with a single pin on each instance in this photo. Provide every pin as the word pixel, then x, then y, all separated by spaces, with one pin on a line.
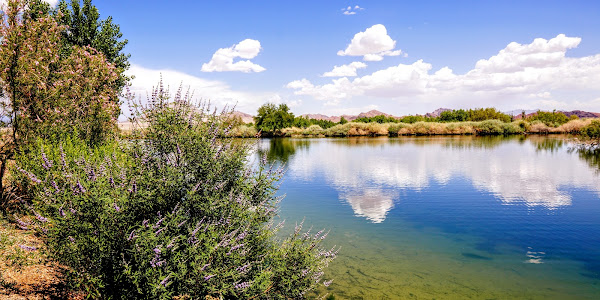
pixel 178 213
pixel 592 130
pixel 490 127
pixel 313 130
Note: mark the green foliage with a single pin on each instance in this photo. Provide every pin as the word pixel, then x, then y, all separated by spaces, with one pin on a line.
pixel 377 119
pixel 85 28
pixel 459 115
pixel 304 122
pixel 553 119
pixel 343 121
pixel 592 130
pixel 412 119
pixel 159 217
pixel 271 118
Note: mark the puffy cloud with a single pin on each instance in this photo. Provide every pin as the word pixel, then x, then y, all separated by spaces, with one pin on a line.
pixel 517 72
pixel 345 70
pixel 540 53
pixel 217 92
pixel 222 60
pixel 351 10
pixel 373 44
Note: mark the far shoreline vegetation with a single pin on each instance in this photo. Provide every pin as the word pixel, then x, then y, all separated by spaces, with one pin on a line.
pixel 279 121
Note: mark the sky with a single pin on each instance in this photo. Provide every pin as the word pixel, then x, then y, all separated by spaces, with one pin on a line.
pixel 345 57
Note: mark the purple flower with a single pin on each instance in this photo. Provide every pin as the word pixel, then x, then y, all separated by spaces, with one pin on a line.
pixel 158 223
pixel 28 248
pixel 159 231
pixel 62 157
pixel 327 283
pixel 243 268
pixel 55 186
pixel 61 212
pixel 242 285
pixel 204 267
pixel 40 218
pixel 132 235
pixel 172 243
pixel 21 224
pixel 47 163
pixel 116 207
pixel 206 278
pixel 157 250
pixel 30 176
pixel 71 239
pixel 73 211
pixel 165 281
pixel 145 223
pixel 79 189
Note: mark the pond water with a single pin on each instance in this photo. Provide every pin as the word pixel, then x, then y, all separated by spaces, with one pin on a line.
pixel 443 217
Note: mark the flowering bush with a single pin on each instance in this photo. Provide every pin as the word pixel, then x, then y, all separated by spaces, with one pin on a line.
pixel 48 94
pixel 177 213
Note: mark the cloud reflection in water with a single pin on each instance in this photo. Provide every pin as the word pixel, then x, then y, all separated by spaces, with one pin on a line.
pixel 368 173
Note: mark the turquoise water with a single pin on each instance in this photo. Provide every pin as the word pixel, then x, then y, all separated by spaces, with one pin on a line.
pixel 448 217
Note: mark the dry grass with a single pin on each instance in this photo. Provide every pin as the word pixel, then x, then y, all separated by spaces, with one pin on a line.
pixel 26 274
pixel 489 127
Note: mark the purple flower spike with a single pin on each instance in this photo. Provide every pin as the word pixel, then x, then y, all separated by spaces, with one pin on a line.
pixel 47 163
pixel 165 281
pixel 327 283
pixel 117 208
pixel 28 248
pixel 206 278
pixel 242 285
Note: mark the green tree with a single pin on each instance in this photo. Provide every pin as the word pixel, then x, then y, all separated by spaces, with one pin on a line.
pixel 271 118
pixel 85 28
pixel 553 118
pixel 343 121
pixel 47 94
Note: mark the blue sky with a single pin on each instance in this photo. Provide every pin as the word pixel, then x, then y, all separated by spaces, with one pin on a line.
pixel 409 57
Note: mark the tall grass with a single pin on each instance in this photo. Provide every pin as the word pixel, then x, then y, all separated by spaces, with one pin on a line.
pixel 488 127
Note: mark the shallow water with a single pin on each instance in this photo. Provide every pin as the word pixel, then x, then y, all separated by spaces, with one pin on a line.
pixel 448 217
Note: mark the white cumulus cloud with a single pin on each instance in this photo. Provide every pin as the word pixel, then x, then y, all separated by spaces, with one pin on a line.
pixel 218 93
pixel 222 60
pixel 345 70
pixel 518 71
pixel 373 44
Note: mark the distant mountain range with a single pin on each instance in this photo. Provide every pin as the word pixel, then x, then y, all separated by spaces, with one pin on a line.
pixel 247 118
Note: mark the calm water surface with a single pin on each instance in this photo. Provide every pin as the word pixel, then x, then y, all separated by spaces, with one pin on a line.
pixel 448 217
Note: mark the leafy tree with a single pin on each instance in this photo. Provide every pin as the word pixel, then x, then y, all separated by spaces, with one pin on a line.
pixel 85 28
pixel 47 94
pixel 377 119
pixel 412 119
pixel 343 121
pixel 271 118
pixel 459 115
pixel 553 118
pixel 490 113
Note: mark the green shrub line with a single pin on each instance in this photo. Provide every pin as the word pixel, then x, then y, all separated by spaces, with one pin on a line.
pixel 487 127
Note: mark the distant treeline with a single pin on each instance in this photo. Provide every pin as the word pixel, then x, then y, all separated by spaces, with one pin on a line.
pixel 271 119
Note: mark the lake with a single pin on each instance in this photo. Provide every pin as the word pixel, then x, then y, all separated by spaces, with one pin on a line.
pixel 447 217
